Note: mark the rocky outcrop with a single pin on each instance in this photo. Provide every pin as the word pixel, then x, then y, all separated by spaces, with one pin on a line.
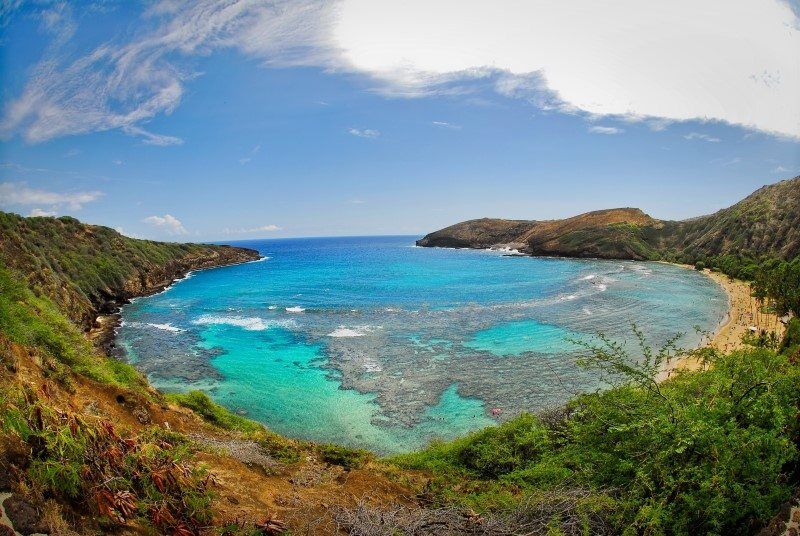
pixel 765 223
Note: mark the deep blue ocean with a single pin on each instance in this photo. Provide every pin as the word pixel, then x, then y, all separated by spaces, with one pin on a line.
pixel 375 343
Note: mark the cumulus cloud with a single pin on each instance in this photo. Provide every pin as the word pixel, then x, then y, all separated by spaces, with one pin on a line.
pixel 597 129
pixel 20 194
pixel 678 60
pixel 365 133
pixel 262 229
pixel 702 137
pixel 41 212
pixel 660 63
pixel 170 224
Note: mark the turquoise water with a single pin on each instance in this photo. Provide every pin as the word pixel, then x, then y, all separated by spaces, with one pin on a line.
pixel 375 343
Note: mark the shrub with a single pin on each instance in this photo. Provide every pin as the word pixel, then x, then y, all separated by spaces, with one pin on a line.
pixel 115 476
pixel 201 403
pixel 347 457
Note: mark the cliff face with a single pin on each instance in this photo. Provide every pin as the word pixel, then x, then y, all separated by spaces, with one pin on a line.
pixel 765 223
pixel 87 269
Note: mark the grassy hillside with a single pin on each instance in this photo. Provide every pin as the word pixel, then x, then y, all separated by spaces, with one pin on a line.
pixel 85 269
pixel 766 224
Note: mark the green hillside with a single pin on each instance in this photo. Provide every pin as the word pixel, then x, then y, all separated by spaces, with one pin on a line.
pixel 86 269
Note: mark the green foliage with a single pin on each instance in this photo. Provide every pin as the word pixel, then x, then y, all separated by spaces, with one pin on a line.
pixel 116 477
pixel 201 403
pixel 37 322
pixel 791 339
pixel 347 457
pixel 700 266
pixel 707 452
pixel 780 284
pixel 81 266
pixel 278 447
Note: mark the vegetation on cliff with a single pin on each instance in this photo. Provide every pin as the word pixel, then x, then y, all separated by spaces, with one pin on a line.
pixel 766 224
pixel 85 269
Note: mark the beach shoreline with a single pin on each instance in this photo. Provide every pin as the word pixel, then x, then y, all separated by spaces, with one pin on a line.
pixel 743 314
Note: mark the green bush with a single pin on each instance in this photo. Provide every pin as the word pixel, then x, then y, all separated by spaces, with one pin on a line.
pixel 201 403
pixel 707 452
pixel 347 457
pixel 791 339
pixel 151 477
pixel 37 322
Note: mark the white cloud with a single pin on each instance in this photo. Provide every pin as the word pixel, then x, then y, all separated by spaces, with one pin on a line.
pixel 117 162
pixel 71 153
pixel 121 84
pixel 445 124
pixel 148 138
pixel 365 133
pixel 605 130
pixel 678 60
pixel 169 223
pixel 41 212
pixel 664 62
pixel 703 137
pixel 19 193
pixel 262 229
pixel 254 151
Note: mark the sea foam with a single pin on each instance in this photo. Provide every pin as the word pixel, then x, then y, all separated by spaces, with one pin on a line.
pixel 250 323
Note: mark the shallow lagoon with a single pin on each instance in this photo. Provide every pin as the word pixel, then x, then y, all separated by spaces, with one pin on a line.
pixel 375 343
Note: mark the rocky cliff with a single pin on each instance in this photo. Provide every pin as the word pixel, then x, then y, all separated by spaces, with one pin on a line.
pixel 766 223
pixel 89 270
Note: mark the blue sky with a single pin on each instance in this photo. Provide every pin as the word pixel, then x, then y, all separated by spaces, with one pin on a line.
pixel 229 120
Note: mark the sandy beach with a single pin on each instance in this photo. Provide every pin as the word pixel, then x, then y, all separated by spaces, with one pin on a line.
pixel 743 313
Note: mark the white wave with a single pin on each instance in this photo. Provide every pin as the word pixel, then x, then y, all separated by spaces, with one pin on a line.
pixel 164 327
pixel 250 323
pixel 589 277
pixel 272 307
pixel 167 327
pixel 507 250
pixel 568 298
pixel 295 309
pixel 356 331
pixel 602 287
pixel 342 332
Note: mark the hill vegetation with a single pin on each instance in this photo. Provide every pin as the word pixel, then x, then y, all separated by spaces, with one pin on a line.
pixel 88 269
pixel 766 224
